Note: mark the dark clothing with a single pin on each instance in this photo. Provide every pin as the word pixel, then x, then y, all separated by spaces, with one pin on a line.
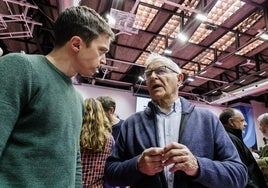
pixel 255 176
pixel 203 134
pixel 116 129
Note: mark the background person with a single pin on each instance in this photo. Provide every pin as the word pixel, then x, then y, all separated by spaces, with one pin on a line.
pixel 96 143
pixel 263 124
pixel 41 112
pixel 234 123
pixel 172 143
pixel 109 105
pixel 263 160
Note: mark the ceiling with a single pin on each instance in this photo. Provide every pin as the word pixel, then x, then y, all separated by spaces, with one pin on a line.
pixel 224 53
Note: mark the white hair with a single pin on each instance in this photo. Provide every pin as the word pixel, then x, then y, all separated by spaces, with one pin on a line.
pixel 153 57
pixel 263 118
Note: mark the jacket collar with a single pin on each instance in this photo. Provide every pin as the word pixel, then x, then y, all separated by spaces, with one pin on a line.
pixel 236 132
pixel 186 107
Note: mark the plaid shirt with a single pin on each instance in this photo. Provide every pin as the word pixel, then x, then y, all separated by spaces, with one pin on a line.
pixel 93 165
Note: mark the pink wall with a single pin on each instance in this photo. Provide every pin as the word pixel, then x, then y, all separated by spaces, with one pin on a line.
pixel 125 101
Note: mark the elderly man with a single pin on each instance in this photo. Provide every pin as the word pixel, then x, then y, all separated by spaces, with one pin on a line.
pixel 234 123
pixel 171 143
pixel 263 124
pixel 263 160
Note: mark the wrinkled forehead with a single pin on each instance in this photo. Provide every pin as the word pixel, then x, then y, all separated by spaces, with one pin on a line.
pixel 156 64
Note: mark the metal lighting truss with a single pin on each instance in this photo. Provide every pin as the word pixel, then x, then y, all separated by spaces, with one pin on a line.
pixel 250 89
pixel 25 24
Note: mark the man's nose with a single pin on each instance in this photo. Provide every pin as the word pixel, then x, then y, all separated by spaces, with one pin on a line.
pixel 153 73
pixel 103 60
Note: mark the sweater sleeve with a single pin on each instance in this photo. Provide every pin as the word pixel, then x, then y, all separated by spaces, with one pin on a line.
pixel 78 175
pixel 15 79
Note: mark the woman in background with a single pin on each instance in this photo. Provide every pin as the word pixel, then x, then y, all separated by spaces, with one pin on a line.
pixel 96 143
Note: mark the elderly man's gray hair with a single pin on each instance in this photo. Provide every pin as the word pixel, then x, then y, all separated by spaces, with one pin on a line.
pixel 263 118
pixel 167 61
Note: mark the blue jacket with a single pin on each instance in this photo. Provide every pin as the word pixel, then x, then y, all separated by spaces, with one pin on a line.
pixel 203 134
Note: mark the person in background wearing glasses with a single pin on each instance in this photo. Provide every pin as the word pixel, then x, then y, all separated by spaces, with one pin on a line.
pixel 172 143
pixel 234 123
pixel 40 110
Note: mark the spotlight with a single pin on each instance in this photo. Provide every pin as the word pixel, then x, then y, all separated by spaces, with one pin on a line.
pixel 141 78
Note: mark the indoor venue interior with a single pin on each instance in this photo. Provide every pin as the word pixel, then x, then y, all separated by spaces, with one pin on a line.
pixel 221 45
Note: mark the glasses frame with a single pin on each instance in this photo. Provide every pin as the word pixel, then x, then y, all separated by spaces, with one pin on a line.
pixel 150 72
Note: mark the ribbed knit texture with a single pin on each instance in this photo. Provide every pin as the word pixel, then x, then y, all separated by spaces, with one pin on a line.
pixel 40 121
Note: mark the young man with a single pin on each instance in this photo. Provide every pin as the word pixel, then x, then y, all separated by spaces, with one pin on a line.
pixel 234 124
pixel 171 143
pixel 40 111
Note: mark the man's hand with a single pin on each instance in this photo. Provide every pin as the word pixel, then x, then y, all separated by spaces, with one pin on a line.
pixel 150 161
pixel 182 158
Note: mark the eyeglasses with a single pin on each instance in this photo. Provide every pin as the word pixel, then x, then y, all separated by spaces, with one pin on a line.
pixel 159 71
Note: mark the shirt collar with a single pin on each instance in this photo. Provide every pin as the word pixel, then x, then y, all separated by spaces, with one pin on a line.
pixel 175 107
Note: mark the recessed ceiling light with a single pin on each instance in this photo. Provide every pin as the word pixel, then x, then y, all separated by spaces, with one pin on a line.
pixel 242 81
pixel 262 73
pixel 141 78
pixel 203 72
pixel 218 63
pixel 167 51
pixel 182 37
pixel 190 79
pixel 201 17
pixel 264 36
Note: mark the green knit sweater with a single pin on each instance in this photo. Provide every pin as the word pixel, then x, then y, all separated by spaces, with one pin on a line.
pixel 40 121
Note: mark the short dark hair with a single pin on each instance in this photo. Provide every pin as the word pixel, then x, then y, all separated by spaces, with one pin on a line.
pixel 80 21
pixel 107 102
pixel 226 115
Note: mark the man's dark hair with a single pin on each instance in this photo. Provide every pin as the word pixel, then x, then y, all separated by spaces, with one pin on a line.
pixel 80 21
pixel 226 115
pixel 107 102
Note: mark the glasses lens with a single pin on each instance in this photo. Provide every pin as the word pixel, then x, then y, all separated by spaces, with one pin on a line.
pixel 158 71
pixel 147 74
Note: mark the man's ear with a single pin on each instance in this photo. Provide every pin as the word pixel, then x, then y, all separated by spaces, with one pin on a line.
pixel 180 78
pixel 230 122
pixel 76 43
pixel 111 110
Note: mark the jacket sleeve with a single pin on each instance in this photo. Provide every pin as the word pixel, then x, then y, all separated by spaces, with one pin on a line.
pixel 262 162
pixel 117 166
pixel 220 165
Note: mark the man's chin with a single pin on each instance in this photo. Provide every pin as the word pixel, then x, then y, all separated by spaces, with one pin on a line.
pixel 157 97
pixel 89 74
